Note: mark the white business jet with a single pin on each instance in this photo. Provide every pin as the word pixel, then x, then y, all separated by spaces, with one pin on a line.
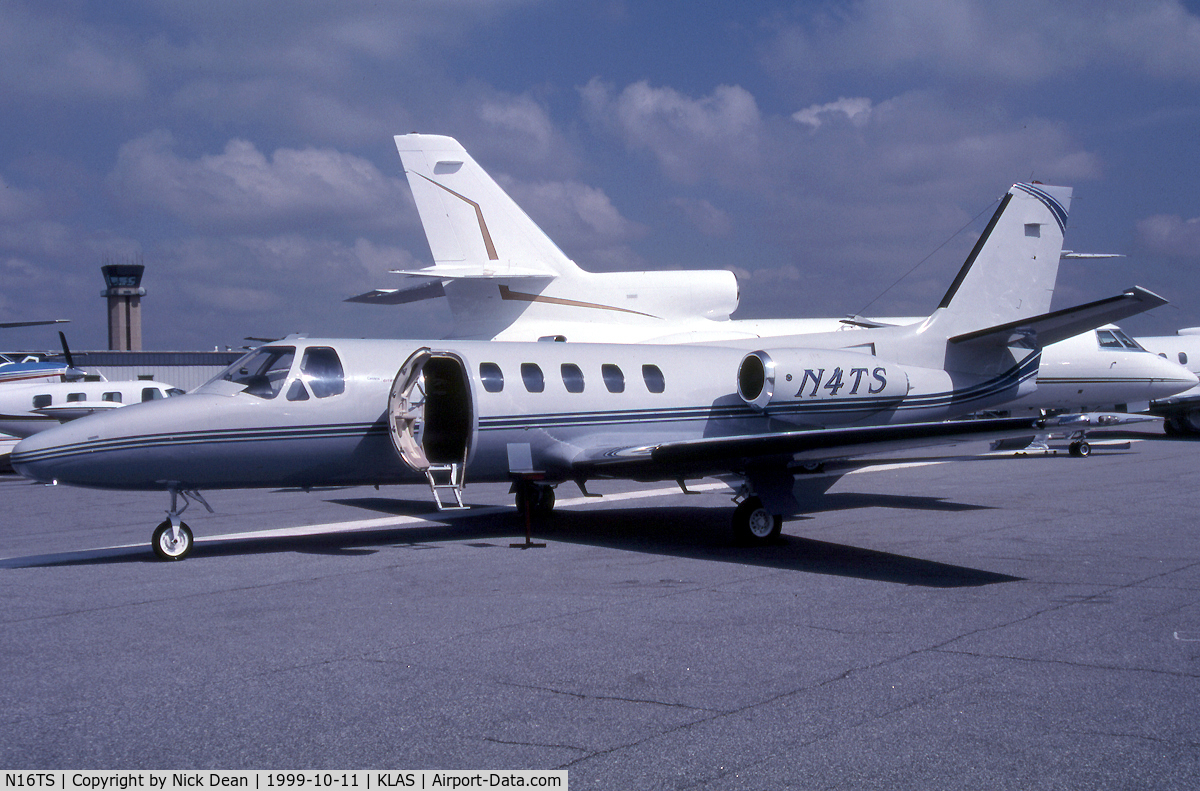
pixel 317 412
pixel 504 278
pixel 1180 411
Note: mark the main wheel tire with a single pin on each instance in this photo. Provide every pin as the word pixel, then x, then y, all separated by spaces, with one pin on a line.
pixel 166 547
pixel 540 499
pixel 1080 449
pixel 1190 422
pixel 754 524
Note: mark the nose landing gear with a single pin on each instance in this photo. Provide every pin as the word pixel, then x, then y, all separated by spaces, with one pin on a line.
pixel 172 540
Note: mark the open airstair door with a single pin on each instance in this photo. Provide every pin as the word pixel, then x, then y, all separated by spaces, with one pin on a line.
pixel 431 420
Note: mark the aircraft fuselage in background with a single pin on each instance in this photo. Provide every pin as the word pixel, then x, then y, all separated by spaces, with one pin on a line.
pixel 26 409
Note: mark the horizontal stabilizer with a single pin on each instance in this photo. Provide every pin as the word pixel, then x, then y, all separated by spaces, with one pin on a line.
pixel 1071 255
pixel 426 289
pixel 443 272
pixel 1059 325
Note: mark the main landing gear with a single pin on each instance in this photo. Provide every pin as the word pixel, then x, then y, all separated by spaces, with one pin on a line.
pixel 534 501
pixel 172 540
pixel 753 524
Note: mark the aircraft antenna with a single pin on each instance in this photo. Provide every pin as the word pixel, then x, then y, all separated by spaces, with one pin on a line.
pixel 915 266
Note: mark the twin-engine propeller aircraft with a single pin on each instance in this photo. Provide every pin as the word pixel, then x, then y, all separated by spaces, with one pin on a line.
pixel 307 412
pixel 505 279
pixel 26 409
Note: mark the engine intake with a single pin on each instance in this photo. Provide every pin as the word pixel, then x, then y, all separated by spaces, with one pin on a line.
pixel 793 376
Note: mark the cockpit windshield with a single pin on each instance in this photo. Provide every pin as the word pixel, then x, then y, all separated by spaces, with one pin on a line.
pixel 1116 339
pixel 261 372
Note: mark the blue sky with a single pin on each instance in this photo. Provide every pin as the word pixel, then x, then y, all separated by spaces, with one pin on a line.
pixel 819 149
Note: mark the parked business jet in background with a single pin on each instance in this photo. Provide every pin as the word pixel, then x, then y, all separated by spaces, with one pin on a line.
pixel 308 412
pixel 1181 411
pixel 504 278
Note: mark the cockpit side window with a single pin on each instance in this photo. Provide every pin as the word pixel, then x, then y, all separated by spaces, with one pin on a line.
pixel 1107 339
pixel 322 370
pixel 1126 341
pixel 263 372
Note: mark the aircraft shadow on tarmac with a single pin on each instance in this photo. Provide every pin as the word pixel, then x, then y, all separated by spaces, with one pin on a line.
pixel 696 533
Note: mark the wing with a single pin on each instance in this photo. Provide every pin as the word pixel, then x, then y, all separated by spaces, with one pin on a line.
pixel 715 455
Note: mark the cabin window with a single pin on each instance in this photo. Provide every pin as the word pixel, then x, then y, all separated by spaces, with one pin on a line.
pixel 1183 358
pixel 1033 230
pixel 535 382
pixel 653 377
pixel 113 397
pixel 614 380
pixel 1107 339
pixel 572 378
pixel 73 398
pixel 322 371
pixel 492 377
pixel 42 401
pixel 151 394
pixel 262 372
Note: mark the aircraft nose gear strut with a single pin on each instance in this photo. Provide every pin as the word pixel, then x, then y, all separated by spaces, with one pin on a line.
pixel 172 540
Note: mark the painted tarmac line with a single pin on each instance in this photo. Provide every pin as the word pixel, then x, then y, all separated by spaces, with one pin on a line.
pixel 361 525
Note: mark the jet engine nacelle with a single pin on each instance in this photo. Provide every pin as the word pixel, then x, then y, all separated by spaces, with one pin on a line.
pixel 838 378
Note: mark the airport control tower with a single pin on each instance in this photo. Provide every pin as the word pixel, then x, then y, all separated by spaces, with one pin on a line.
pixel 124 291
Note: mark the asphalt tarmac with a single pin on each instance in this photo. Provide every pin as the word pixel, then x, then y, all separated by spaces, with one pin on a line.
pixel 989 622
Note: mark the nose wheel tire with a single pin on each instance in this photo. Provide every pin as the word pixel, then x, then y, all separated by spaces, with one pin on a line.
pixel 1080 449
pixel 169 547
pixel 754 524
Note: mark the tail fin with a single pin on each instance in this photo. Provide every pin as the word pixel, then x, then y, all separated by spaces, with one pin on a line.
pixel 474 228
pixel 1009 275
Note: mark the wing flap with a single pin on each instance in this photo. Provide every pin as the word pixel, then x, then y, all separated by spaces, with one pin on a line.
pixel 714 455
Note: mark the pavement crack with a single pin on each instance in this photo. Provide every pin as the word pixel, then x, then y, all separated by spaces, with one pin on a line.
pixel 614 698
pixel 1066 663
pixel 514 743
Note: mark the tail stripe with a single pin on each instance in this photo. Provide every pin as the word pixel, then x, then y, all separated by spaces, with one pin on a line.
pixel 1056 208
pixel 483 229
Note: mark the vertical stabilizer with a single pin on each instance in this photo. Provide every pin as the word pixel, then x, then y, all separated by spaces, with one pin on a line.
pixel 474 228
pixel 1010 274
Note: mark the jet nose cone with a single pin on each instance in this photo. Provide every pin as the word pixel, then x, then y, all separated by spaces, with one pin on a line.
pixel 1171 379
pixel 29 460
